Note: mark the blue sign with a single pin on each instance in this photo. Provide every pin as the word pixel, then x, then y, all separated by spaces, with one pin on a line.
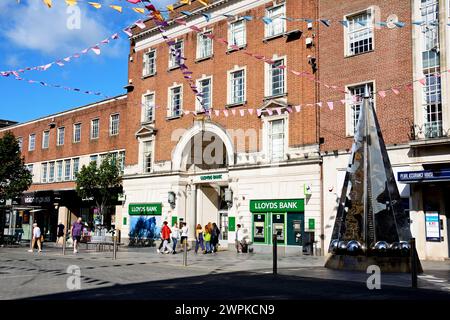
pixel 423 176
pixel 432 226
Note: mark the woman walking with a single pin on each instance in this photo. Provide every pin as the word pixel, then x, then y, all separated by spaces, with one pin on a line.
pixel 36 238
pixel 175 236
pixel 207 239
pixel 199 238
pixel 215 232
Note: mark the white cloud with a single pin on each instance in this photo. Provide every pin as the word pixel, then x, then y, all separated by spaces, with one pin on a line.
pixel 36 27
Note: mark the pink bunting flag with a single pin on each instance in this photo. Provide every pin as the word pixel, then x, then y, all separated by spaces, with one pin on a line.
pixel 67 59
pixel 270 112
pixel 195 28
pixel 281 67
pixel 105 41
pixel 115 36
pixel 242 112
pixel 96 49
pixel 76 55
pixel 222 40
pixel 59 63
pixel 319 104
pixel 225 112
pixel 128 32
pixel 134 1
pixel 382 93
pixel 258 112
pixel 217 112
pixel 84 51
pixel 298 108
pixel 289 109
pixel 409 87
pixel 233 112
pixel 423 81
pixel 296 73
pixel 250 111
pixel 15 73
pixel 326 86
pixel 343 101
pixel 210 36
pixel 140 24
pixel 234 47
pixel 180 21
pixel 47 66
pixel 394 90
pixel 330 105
pixel 278 111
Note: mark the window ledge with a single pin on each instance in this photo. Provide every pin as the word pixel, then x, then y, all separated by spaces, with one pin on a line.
pixel 148 122
pixel 237 104
pixel 350 55
pixel 203 59
pixel 282 95
pixel 173 117
pixel 173 68
pixel 231 50
pixel 269 38
pixel 148 76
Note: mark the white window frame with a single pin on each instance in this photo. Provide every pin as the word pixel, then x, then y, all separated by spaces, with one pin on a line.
pixel 74 172
pixel 75 132
pixel 266 125
pixel 349 123
pixel 371 26
pixel 44 145
pixel 32 146
pixel 44 172
pixel 143 158
pixel 169 100
pixel 111 124
pixel 69 177
pixel 198 106
pixel 268 77
pixel 146 70
pixel 269 27
pixel 144 107
pixel 172 60
pixel 231 30
pixel 59 166
pixel 230 87
pixel 92 129
pixel 50 177
pixel 58 136
pixel 121 158
pixel 200 45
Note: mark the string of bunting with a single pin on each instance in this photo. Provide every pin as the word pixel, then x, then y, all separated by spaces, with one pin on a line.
pixel 265 19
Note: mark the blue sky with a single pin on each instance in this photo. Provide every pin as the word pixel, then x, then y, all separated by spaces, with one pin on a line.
pixel 32 34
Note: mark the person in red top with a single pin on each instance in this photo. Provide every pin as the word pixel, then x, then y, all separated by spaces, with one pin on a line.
pixel 165 236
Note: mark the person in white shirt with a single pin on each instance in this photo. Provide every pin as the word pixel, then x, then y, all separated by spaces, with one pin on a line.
pixel 175 237
pixel 184 234
pixel 239 238
pixel 36 238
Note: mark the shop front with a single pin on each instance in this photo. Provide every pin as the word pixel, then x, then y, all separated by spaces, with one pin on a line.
pixel 429 211
pixel 145 221
pixel 284 218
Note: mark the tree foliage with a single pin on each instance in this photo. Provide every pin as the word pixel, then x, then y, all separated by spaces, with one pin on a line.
pixel 14 176
pixel 102 183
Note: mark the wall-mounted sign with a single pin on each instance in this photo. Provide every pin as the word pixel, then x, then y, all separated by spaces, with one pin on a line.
pixel 421 176
pixel 311 224
pixel 289 205
pixel 432 226
pixel 211 177
pixel 145 209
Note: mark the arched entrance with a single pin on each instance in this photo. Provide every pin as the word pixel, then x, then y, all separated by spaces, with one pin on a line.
pixel 202 156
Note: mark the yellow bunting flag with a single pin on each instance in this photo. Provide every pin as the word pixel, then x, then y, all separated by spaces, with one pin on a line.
pixel 170 7
pixel 139 10
pixel 95 5
pixel 185 1
pixel 204 2
pixel 118 8
pixel 71 2
pixel 48 3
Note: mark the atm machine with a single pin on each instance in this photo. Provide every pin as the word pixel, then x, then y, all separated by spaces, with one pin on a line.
pixel 259 225
pixel 278 227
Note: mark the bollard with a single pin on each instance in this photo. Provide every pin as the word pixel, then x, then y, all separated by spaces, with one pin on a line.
pixel 64 245
pixel 185 253
pixel 413 258
pixel 115 247
pixel 274 241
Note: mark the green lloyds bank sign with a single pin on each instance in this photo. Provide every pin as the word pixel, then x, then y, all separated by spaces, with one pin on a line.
pixel 141 209
pixel 289 205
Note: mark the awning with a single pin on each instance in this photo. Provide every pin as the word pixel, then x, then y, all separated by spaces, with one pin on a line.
pixel 424 176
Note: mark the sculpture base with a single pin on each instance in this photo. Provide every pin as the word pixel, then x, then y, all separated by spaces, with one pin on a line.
pixel 360 263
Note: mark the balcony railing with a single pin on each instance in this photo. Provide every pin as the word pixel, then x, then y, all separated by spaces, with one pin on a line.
pixel 429 130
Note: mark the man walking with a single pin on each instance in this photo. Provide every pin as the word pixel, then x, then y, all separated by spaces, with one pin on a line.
pixel 165 236
pixel 36 238
pixel 76 231
pixel 184 235
pixel 60 233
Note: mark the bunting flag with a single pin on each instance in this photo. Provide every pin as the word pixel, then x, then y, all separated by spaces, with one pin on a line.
pixel 117 8
pixel 204 2
pixel 140 24
pixel 134 1
pixel 71 2
pixel 96 50
pixel 139 10
pixel 95 5
pixel 330 105
pixel 185 1
pixel 48 3
pixel 169 7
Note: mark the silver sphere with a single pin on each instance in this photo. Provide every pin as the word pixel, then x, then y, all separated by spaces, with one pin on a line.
pixel 334 245
pixel 354 246
pixel 395 246
pixel 342 245
pixel 381 246
pixel 404 245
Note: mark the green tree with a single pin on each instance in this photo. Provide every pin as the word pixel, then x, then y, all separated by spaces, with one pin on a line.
pixel 101 183
pixel 15 178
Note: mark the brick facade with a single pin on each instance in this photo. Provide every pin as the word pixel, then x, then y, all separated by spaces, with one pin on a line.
pixel 388 65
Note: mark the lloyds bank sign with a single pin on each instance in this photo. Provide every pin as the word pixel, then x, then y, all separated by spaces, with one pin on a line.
pixel 288 205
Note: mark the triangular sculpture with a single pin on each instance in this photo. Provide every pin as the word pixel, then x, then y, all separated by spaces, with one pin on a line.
pixel 370 219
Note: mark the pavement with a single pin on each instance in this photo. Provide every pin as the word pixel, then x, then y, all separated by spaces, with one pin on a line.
pixel 141 273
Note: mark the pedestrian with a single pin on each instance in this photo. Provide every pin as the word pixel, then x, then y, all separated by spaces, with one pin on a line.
pixel 175 237
pixel 215 232
pixel 76 231
pixel 36 238
pixel 60 232
pixel 207 239
pixel 239 238
pixel 165 237
pixel 184 235
pixel 199 238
